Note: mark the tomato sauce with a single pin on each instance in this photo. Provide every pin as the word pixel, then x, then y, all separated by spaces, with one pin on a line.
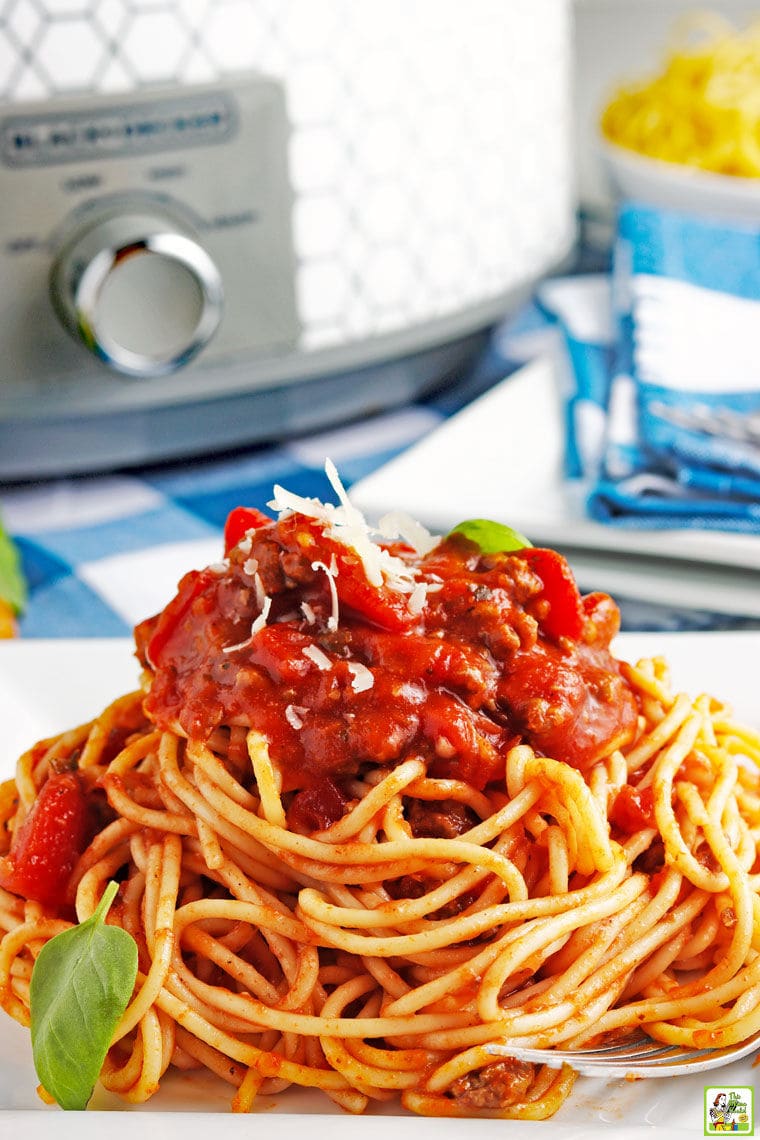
pixel 341 672
pixel 633 809
pixel 50 841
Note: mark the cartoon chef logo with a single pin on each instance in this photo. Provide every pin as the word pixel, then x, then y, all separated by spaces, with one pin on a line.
pixel 729 1110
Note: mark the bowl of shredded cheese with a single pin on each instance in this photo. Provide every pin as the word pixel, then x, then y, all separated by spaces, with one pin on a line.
pixel 689 135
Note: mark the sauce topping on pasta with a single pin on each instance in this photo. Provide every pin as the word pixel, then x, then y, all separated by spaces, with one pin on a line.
pixel 380 814
pixel 483 652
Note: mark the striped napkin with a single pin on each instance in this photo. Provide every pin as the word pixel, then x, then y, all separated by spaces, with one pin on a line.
pixel 663 399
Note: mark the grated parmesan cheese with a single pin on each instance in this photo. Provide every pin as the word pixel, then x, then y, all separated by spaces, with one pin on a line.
pixel 261 594
pixel 308 613
pixel 294 715
pixel 315 655
pixel 332 573
pixel 240 645
pixel 362 677
pixel 256 627
pixel 261 620
pixel 346 524
pixel 417 598
pixel 398 524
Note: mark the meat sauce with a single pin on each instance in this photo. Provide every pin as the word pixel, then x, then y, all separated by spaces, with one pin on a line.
pixel 289 636
pixel 496 1087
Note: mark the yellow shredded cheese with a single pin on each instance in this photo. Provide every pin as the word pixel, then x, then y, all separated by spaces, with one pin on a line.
pixel 703 108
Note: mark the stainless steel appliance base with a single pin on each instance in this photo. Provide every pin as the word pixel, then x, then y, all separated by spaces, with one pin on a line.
pixel 40 447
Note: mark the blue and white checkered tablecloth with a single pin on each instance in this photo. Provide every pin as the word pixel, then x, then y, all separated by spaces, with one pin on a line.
pixel 102 552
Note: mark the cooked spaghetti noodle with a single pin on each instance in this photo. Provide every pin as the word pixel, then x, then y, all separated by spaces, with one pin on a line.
pixel 703 108
pixel 397 820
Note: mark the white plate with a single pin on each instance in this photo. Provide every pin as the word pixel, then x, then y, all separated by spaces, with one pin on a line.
pixel 501 458
pixel 50 685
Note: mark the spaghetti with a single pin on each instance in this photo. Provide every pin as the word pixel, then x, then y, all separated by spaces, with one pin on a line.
pixel 703 108
pixel 418 809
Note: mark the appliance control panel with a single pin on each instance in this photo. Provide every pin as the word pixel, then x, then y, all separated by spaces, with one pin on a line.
pixel 143 237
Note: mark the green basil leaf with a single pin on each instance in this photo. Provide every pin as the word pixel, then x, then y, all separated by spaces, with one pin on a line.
pixel 81 984
pixel 12 585
pixel 492 537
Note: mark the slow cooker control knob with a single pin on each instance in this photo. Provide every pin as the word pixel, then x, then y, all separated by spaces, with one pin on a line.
pixel 138 290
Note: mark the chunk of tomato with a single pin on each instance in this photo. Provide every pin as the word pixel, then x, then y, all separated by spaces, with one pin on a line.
pixel 49 842
pixel 378 604
pixel 317 806
pixel 566 616
pixel 152 635
pixel 633 809
pixel 239 521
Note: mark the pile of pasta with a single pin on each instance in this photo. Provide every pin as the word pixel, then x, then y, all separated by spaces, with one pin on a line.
pixel 274 958
pixel 703 109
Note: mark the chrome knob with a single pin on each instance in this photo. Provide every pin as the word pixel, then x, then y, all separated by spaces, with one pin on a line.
pixel 137 288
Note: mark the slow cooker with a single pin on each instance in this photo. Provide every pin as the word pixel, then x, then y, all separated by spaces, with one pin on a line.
pixel 226 221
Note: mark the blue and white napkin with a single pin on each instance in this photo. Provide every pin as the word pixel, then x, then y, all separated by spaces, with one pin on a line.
pixel 663 407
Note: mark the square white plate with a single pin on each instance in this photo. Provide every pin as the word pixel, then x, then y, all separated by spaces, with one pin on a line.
pixel 46 686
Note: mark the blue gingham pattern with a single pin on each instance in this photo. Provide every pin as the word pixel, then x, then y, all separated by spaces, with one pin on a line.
pixel 100 553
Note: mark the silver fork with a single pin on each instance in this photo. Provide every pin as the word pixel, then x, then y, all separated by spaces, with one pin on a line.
pixel 640 1057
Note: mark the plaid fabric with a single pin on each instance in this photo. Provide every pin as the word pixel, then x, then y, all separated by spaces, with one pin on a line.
pixel 102 552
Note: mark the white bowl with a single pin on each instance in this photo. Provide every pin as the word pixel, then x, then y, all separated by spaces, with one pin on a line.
pixel 635 177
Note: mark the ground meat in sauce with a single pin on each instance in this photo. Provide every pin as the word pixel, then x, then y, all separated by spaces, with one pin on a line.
pixel 446 819
pixel 651 860
pixel 558 696
pixel 407 887
pixel 498 1086
pixel 456 683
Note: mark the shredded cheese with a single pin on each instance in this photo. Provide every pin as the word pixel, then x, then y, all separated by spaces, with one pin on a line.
pixel 346 524
pixel 261 594
pixel 315 655
pixel 294 715
pixel 362 677
pixel 398 524
pixel 239 645
pixel 308 613
pixel 417 598
pixel 332 573
pixel 256 627
pixel 261 620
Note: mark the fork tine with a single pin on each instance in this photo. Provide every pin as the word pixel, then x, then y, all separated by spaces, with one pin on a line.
pixel 641 1057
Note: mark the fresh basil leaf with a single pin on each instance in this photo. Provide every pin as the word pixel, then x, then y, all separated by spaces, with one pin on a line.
pixel 81 984
pixel 492 537
pixel 12 585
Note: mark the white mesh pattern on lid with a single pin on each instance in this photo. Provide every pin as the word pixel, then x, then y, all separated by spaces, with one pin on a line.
pixel 430 139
